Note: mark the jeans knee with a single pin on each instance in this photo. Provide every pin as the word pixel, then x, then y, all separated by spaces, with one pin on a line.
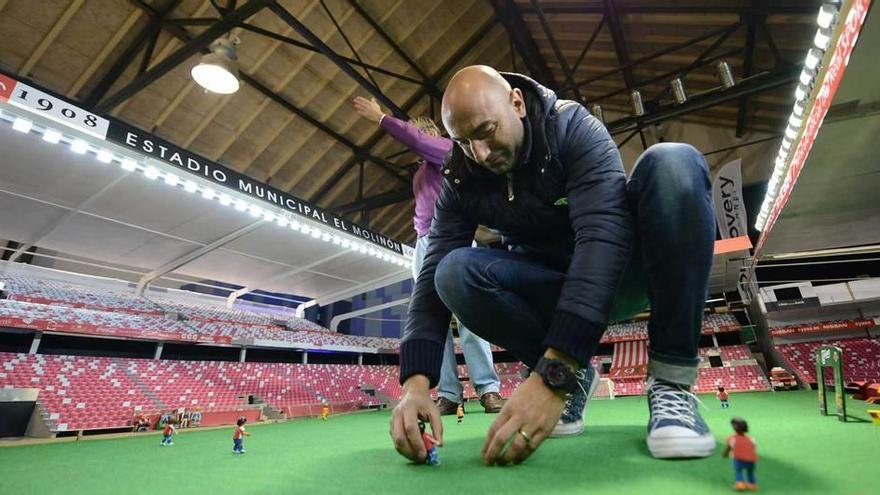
pixel 675 169
pixel 450 279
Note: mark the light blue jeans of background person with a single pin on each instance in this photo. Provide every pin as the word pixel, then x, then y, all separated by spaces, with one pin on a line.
pixel 477 353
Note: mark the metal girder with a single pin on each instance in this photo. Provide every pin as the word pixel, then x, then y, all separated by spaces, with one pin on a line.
pixel 318 43
pixel 195 254
pixel 194 46
pixel 619 43
pixel 52 227
pixel 306 46
pixel 508 13
pixel 757 84
pixel 336 320
pixel 622 54
pixel 667 75
pixel 803 7
pixel 359 152
pixel 577 63
pixel 230 300
pixel 151 47
pixel 128 54
pixel 377 201
pixel 377 136
pixel 548 31
pixel 181 33
pixel 432 87
pixel 747 72
pixel 660 53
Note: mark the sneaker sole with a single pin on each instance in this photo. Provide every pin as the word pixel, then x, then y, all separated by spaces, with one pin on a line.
pixel 574 429
pixel 680 447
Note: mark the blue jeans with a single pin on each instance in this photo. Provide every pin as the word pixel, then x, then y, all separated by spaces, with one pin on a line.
pixel 742 466
pixel 477 353
pixel 510 299
pixel 432 458
pixel 166 439
pixel 237 445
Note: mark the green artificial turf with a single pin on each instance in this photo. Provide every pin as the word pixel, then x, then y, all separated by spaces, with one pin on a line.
pixel 801 452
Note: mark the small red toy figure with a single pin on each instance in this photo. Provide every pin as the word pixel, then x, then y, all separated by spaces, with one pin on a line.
pixel 722 396
pixel 744 455
pixel 167 432
pixel 238 436
pixel 459 413
pixel 430 446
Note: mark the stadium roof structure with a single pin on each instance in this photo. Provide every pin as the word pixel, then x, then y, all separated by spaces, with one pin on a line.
pixel 291 125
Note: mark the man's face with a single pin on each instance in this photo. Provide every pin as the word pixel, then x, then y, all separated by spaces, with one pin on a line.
pixel 489 129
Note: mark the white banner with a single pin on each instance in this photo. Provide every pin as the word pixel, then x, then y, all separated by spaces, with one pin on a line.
pixel 38 102
pixel 730 211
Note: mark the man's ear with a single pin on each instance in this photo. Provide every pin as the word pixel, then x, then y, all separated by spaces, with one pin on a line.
pixel 518 102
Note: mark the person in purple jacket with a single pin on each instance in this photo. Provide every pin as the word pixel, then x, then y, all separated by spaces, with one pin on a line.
pixel 423 138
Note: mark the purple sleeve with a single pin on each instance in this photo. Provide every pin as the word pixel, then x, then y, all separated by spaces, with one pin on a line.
pixel 432 149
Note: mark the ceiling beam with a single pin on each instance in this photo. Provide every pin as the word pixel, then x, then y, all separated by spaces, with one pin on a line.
pixel 466 47
pixel 357 150
pixel 377 201
pixel 306 46
pixel 230 300
pixel 194 46
pixel 127 56
pixel 318 43
pixel 509 15
pixel 757 84
pixel 432 86
pixel 748 61
pixel 804 7
pixel 193 255
pixel 50 37
pixel 55 225
pixel 656 55
pixel 181 33
pixel 548 31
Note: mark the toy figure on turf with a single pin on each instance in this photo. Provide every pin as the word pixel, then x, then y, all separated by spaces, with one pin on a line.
pixel 167 432
pixel 722 396
pixel 325 411
pixel 238 436
pixel 430 446
pixel 744 455
pixel 459 413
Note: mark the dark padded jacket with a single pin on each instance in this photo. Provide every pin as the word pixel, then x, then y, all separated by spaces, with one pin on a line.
pixel 564 205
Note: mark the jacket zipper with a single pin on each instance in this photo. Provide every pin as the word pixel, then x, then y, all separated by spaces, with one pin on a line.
pixel 510 195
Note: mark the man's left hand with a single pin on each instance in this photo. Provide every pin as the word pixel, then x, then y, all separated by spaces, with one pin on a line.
pixel 526 420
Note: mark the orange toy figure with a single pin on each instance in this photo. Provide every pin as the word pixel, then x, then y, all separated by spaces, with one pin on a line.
pixel 168 431
pixel 722 396
pixel 325 411
pixel 459 413
pixel 238 436
pixel 744 455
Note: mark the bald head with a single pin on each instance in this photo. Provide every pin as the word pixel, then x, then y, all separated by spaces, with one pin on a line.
pixel 482 114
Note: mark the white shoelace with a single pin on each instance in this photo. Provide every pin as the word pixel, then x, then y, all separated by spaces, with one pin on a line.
pixel 667 403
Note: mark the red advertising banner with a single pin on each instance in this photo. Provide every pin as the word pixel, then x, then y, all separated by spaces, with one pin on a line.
pixel 825 326
pixel 852 25
pixel 86 329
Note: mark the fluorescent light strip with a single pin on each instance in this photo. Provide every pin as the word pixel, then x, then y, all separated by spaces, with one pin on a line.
pixel 151 172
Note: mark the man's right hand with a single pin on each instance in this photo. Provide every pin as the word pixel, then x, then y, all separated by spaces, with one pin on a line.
pixel 415 404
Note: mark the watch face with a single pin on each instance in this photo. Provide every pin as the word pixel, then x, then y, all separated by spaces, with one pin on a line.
pixel 556 374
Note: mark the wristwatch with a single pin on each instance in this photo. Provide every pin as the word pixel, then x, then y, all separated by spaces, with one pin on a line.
pixel 556 375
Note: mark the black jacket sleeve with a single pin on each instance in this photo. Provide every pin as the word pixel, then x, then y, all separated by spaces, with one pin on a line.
pixel 427 322
pixel 603 231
